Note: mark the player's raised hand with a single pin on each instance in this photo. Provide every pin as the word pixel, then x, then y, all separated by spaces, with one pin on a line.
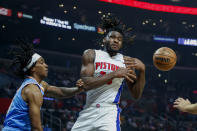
pixel 181 104
pixel 134 63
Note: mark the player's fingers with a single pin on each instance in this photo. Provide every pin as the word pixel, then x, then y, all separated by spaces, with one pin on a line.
pixel 78 84
pixel 129 79
pixel 130 70
pixel 129 63
pixel 180 99
pixel 132 76
pixel 129 59
pixel 131 66
pixel 176 102
pixel 176 99
pixel 175 106
pixel 78 81
pixel 81 84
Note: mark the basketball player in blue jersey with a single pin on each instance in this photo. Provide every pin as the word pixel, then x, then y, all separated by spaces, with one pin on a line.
pixel 24 111
pixel 103 72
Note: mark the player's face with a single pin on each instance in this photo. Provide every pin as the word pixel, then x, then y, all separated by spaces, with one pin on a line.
pixel 41 68
pixel 114 41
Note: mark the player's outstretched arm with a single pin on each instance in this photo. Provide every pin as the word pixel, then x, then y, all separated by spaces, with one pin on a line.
pixel 185 105
pixel 136 89
pixel 87 72
pixel 33 97
pixel 62 92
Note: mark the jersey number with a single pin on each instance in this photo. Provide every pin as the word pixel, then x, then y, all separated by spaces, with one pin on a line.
pixel 104 73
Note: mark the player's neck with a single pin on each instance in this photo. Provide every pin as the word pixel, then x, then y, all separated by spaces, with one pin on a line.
pixel 111 53
pixel 37 78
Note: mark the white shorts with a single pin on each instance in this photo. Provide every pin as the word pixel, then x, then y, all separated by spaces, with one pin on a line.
pixel 98 117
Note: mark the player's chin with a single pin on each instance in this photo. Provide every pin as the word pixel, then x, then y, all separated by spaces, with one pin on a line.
pixel 46 74
pixel 115 49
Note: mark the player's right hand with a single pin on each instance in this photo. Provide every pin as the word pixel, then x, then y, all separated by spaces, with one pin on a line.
pixel 80 85
pixel 125 73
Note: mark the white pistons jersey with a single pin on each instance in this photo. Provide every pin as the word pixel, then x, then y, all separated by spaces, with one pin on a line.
pixel 110 92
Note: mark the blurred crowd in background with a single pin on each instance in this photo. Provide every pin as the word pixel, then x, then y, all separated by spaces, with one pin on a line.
pixel 154 111
pixel 170 26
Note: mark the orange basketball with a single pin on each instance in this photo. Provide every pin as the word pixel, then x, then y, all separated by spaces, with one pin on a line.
pixel 164 59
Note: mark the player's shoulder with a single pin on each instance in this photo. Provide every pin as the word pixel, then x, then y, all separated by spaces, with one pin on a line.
pixel 89 51
pixel 31 89
pixel 30 92
pixel 93 51
pixel 89 55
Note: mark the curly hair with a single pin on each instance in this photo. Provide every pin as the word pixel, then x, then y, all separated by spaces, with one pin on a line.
pixel 112 23
pixel 22 55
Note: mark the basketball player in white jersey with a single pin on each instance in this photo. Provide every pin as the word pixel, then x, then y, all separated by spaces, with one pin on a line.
pixel 103 72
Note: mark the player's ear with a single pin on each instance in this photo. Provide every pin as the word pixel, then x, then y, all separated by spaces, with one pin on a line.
pixel 32 69
pixel 104 40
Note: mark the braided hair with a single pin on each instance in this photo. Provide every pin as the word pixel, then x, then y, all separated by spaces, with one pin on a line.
pixel 22 57
pixel 111 23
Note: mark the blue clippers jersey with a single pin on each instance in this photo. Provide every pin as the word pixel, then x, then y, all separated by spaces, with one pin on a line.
pixel 17 117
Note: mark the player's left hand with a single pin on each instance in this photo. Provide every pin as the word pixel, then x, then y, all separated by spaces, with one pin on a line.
pixel 181 104
pixel 134 63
